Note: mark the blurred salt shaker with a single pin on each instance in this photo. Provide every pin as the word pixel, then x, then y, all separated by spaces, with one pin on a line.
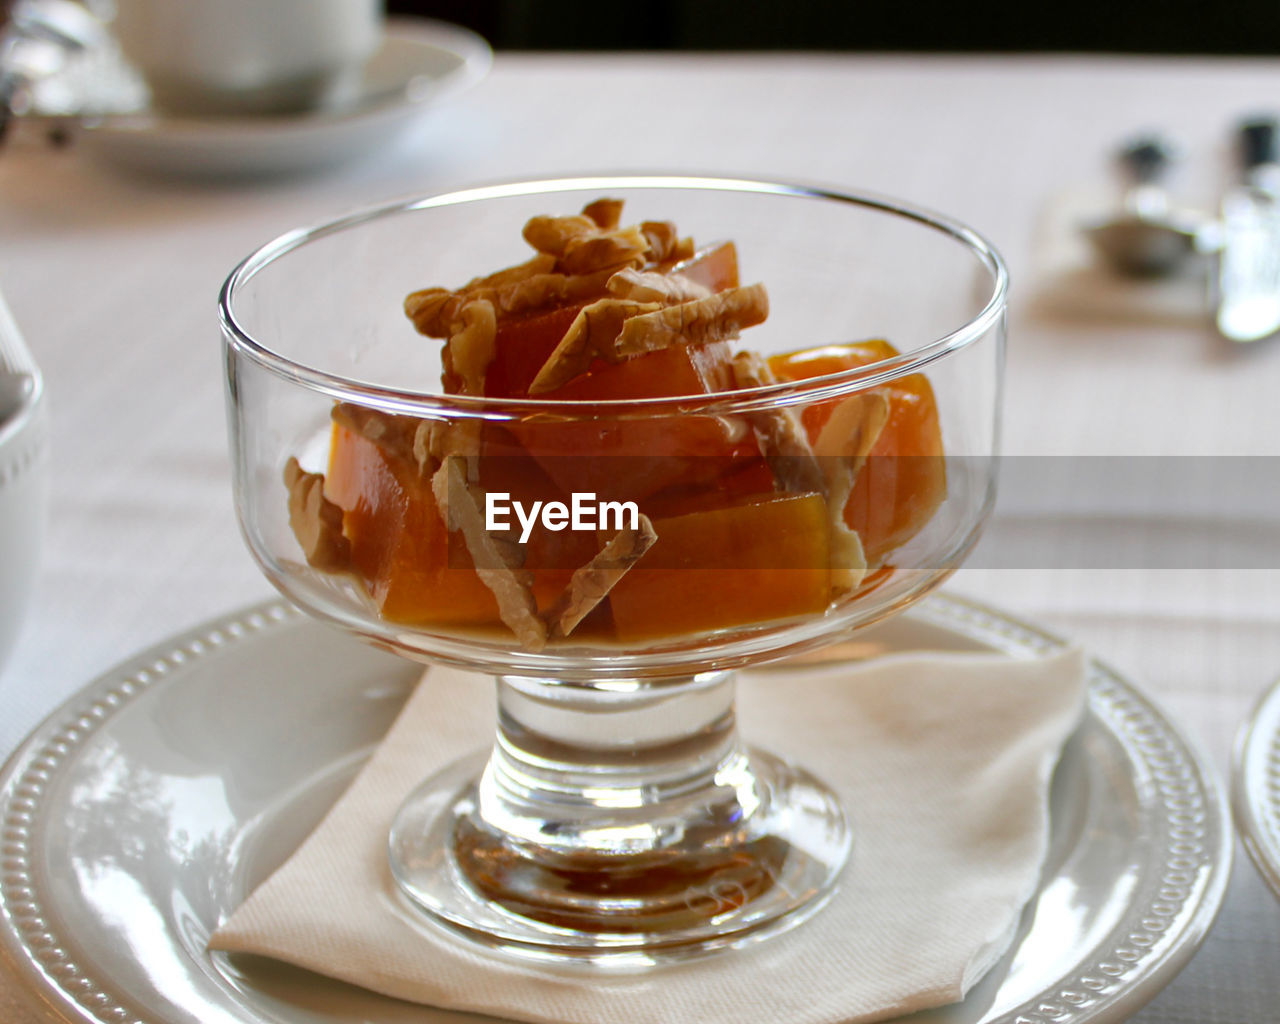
pixel 23 477
pixel 243 57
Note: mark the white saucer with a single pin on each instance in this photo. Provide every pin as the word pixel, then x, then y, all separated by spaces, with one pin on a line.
pixel 141 813
pixel 1256 786
pixel 419 64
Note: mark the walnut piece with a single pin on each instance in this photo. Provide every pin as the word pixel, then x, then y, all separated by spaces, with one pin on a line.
pixel 610 250
pixel 497 565
pixel 665 245
pixel 650 286
pixel 435 310
pixel 591 583
pixel 590 241
pixel 427 309
pixel 853 427
pixel 697 322
pixel 843 444
pixel 848 561
pixel 552 235
pixel 315 520
pixel 614 329
pixel 470 346
pixel 783 440
pixel 607 213
pixel 438 309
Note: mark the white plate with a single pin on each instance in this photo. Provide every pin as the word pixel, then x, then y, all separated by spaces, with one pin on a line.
pixel 1256 788
pixel 139 815
pixel 419 63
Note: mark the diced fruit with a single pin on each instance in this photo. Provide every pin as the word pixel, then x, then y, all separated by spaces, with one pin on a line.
pixel 618 458
pixel 904 480
pixel 750 480
pixel 738 537
pixel 413 569
pixel 399 545
pixel 521 346
pixel 715 267
pixel 726 567
pixel 667 373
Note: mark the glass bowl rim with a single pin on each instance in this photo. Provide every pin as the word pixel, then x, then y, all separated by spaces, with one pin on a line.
pixel 747 400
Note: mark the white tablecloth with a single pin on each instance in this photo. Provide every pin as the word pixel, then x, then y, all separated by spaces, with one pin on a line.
pixel 114 279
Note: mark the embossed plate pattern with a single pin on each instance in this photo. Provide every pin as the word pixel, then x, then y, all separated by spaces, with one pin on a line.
pixel 144 810
pixel 1256 786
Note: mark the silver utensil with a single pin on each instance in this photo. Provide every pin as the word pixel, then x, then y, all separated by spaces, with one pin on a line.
pixel 17 366
pixel 1249 273
pixel 1149 237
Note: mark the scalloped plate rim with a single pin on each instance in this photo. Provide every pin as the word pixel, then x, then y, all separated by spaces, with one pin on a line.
pixel 1257 817
pixel 969 620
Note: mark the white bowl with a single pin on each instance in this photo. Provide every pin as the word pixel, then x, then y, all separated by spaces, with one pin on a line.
pixel 23 497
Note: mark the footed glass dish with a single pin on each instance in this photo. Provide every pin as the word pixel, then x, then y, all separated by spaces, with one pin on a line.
pixel 686 426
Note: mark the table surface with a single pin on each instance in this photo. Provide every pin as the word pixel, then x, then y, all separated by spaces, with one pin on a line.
pixel 113 278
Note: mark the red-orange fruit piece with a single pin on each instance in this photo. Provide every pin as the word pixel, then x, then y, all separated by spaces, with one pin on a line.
pixel 633 456
pixel 749 562
pixel 520 347
pixel 904 480
pixel 399 545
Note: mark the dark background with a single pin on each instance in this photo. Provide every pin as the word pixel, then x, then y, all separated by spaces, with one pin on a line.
pixel 1118 26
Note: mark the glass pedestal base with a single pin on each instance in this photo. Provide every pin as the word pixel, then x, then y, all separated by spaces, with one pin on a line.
pixel 619 826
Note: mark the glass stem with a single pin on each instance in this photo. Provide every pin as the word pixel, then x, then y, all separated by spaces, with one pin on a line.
pixel 611 772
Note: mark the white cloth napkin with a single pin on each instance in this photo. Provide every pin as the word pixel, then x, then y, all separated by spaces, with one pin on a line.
pixel 943 760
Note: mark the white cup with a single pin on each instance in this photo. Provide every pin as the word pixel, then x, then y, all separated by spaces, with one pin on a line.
pixel 234 57
pixel 23 496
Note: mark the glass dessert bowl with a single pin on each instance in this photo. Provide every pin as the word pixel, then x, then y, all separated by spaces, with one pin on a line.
pixel 687 425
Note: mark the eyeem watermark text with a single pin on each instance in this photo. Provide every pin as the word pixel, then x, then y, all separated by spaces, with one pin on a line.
pixel 582 513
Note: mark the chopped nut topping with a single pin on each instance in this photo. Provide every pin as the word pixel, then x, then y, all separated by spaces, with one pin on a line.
pixel 854 427
pixel 425 454
pixel 592 582
pixel 582 245
pixel 427 310
pixel 552 235
pixel 843 444
pixel 697 322
pixel 649 286
pixel 614 249
pixel 435 311
pixel 496 564
pixel 848 560
pixel 547 290
pixel 782 436
pixel 577 257
pixel 315 520
pixel 470 347
pixel 436 440
pixel 682 251
pixel 665 245
pixel 607 213
pixel 615 329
